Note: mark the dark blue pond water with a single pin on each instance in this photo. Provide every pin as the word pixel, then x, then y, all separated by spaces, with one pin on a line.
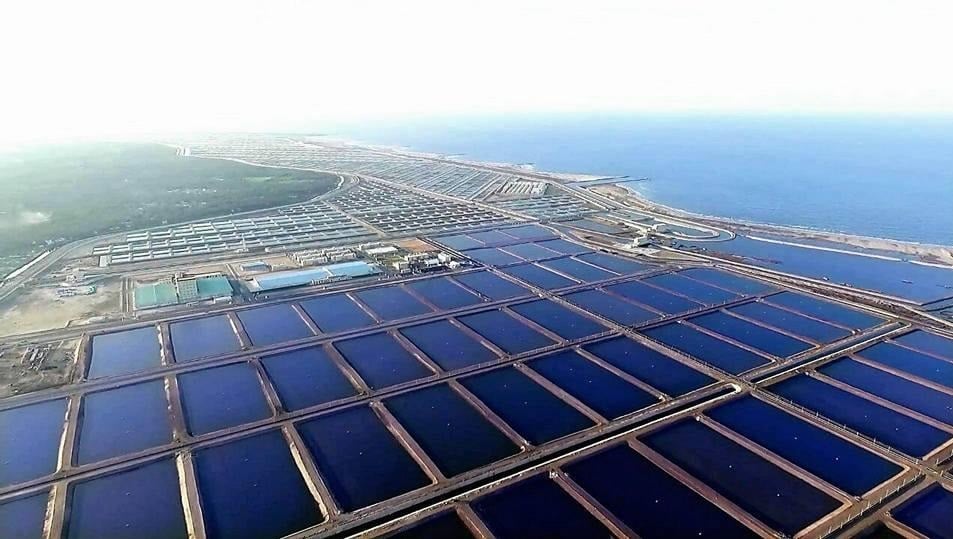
pixel 536 508
pixel 124 352
pixel 491 286
pixel 492 237
pixel 565 247
pixel 928 342
pixel 242 480
pixel 336 313
pixel 655 298
pixel 580 271
pixel 448 345
pixel 617 264
pixel 444 526
pixel 774 496
pixel 273 324
pixel 878 530
pixel 535 413
pixel 493 257
pixel 825 310
pixel 666 510
pixel 359 459
pixel 717 352
pixel 904 359
pixel 537 276
pixel 892 428
pixel 912 395
pixel 30 440
pixel 459 242
pixel 444 293
pixel 511 335
pixel 381 360
pixel 558 319
pixel 203 337
pixel 306 377
pixel 696 290
pixel 928 512
pixel 791 322
pixel 214 399
pixel 611 307
pixel 450 430
pixel 832 458
pixel 23 518
pixel 531 251
pixel 610 396
pixel 123 420
pixel 143 503
pixel 658 370
pixel 529 232
pixel 751 334
pixel 728 281
pixel 391 303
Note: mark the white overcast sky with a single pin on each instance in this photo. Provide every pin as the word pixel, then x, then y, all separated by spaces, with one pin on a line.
pixel 94 68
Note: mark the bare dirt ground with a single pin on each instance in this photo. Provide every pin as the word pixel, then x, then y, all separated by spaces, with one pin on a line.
pixel 40 309
pixel 28 368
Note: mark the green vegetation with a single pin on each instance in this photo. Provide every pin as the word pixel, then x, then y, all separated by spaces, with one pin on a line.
pixel 56 194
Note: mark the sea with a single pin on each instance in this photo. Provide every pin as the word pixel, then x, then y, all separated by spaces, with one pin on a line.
pixel 888 177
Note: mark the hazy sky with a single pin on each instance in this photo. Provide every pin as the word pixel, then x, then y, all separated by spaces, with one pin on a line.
pixel 90 67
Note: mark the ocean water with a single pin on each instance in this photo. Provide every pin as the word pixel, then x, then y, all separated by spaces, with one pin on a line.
pixel 875 176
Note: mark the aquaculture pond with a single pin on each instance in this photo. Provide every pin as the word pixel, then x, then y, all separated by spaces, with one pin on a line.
pixel 565 247
pixel 449 429
pixel 124 352
pixel 273 324
pixel 203 337
pixel 531 251
pixel 906 360
pixel 711 350
pixel 448 345
pixel 727 281
pixel 928 342
pixel 123 420
pixel 612 307
pixel 446 525
pixel 143 503
pixel 241 480
pixel 336 313
pixel 492 286
pixel 790 322
pixel 306 377
pixel 381 361
pixel 654 368
pixel 222 397
pixel 776 497
pixel 22 518
pixel 656 298
pixel 535 413
pixel 751 334
pixel 615 264
pixel 359 459
pixel 835 313
pixel 392 303
pixel 444 293
pixel 561 320
pixel 31 440
pixel 928 512
pixel 539 276
pixel 668 509
pixel 580 271
pixel 493 257
pixel 536 507
pixel 506 332
pixel 696 290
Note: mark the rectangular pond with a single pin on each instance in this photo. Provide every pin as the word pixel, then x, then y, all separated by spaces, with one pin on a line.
pixel 580 271
pixel 535 413
pixel 144 502
pixel 529 232
pixel 751 334
pixel 607 394
pixel 656 369
pixel 392 303
pixel 23 518
pixel 306 377
pixel 242 480
pixel 222 397
pixel 728 281
pixel 273 324
pixel 847 466
pixel 360 460
pixel 613 263
pixel 531 251
pixel 704 347
pixel 883 424
pixel 446 525
pixel 30 442
pixel 836 313
pixel 493 257
pixel 444 293
pixel 906 360
pixel 506 332
pixel 491 286
pixel 665 510
pixel 381 361
pixel 447 345
pixel 928 342
pixel 561 320
pixel 124 352
pixel 791 322
pixel 772 495
pixel 538 276
pixel 611 307
pixel 565 247
pixel 203 337
pixel 696 290
pixel 492 237
pixel 928 512
pixel 658 299
pixel 449 429
pixel 459 242
pixel 536 507
pixel 336 313
pixel 123 420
